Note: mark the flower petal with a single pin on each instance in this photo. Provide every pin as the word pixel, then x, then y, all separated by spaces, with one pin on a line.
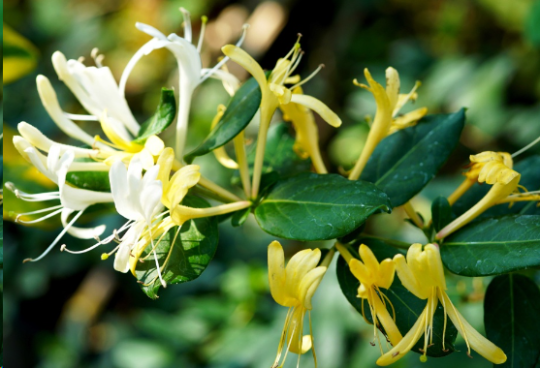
pixel 479 343
pixel 320 108
pixel 276 272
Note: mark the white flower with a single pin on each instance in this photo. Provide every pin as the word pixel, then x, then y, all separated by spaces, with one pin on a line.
pixel 55 167
pixel 137 197
pixel 189 64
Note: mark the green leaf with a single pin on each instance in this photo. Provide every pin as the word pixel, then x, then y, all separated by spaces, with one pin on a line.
pixel 191 253
pixel 279 156
pixel 240 110
pixel 404 162
pixel 239 217
pixel 19 55
pixel 406 305
pixel 511 319
pixel 318 207
pixel 91 180
pixel 441 213
pixel 493 246
pixel 532 30
pixel 530 179
pixel 163 117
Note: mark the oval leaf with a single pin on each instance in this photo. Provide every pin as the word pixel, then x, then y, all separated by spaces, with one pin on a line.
pixel 163 117
pixel 189 255
pixel 318 207
pixel 91 180
pixel 404 162
pixel 511 319
pixel 240 110
pixel 494 246
pixel 407 307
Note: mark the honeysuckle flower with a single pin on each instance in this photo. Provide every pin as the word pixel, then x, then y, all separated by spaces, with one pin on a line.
pixel 274 94
pixel 373 276
pixel 504 190
pixel 189 65
pixel 389 102
pixel 488 167
pixel 137 197
pixel 55 167
pixel 423 275
pixel 307 133
pixel 294 286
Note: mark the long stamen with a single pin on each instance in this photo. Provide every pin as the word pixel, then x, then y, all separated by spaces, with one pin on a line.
pixel 55 240
pixel 107 240
pixel 163 283
pixel 17 219
pixel 187 24
pixel 312 342
pixel 309 77
pixel 519 152
pixel 38 211
pixel 292 66
pixel 48 196
pixel 283 337
pixel 204 20
pixel 218 66
pixel 445 318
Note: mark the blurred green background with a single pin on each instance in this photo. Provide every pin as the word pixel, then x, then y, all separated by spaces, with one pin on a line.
pixel 75 311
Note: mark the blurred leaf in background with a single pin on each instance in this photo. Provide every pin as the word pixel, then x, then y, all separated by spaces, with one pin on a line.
pixel 19 55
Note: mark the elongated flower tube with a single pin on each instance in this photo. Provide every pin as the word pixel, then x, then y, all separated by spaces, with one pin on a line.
pixel 389 102
pixel 373 276
pixel 189 65
pixel 294 286
pixel 423 275
pixel 307 133
pixel 488 167
pixel 274 93
pixel 55 167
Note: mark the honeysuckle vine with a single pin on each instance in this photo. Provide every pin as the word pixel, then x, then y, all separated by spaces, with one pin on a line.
pixel 170 229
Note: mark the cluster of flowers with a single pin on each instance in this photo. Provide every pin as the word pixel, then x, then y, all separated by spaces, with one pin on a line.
pixel 148 181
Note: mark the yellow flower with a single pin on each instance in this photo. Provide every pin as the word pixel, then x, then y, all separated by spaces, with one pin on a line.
pixel 389 102
pixel 488 167
pixel 373 276
pixel 293 286
pixel 504 190
pixel 423 275
pixel 274 93
pixel 307 133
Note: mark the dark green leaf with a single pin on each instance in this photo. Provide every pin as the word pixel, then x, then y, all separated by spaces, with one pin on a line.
pixel 406 305
pixel 494 246
pixel 441 213
pixel 239 217
pixel 91 180
pixel 404 162
pixel 318 207
pixel 532 30
pixel 163 117
pixel 279 155
pixel 240 110
pixel 530 179
pixel 511 319
pixel 192 252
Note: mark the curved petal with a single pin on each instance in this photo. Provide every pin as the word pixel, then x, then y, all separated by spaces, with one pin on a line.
pixel 309 284
pixel 408 341
pixel 50 102
pixel 320 108
pixel 276 273
pixel 241 57
pixel 479 343
pixel 79 232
